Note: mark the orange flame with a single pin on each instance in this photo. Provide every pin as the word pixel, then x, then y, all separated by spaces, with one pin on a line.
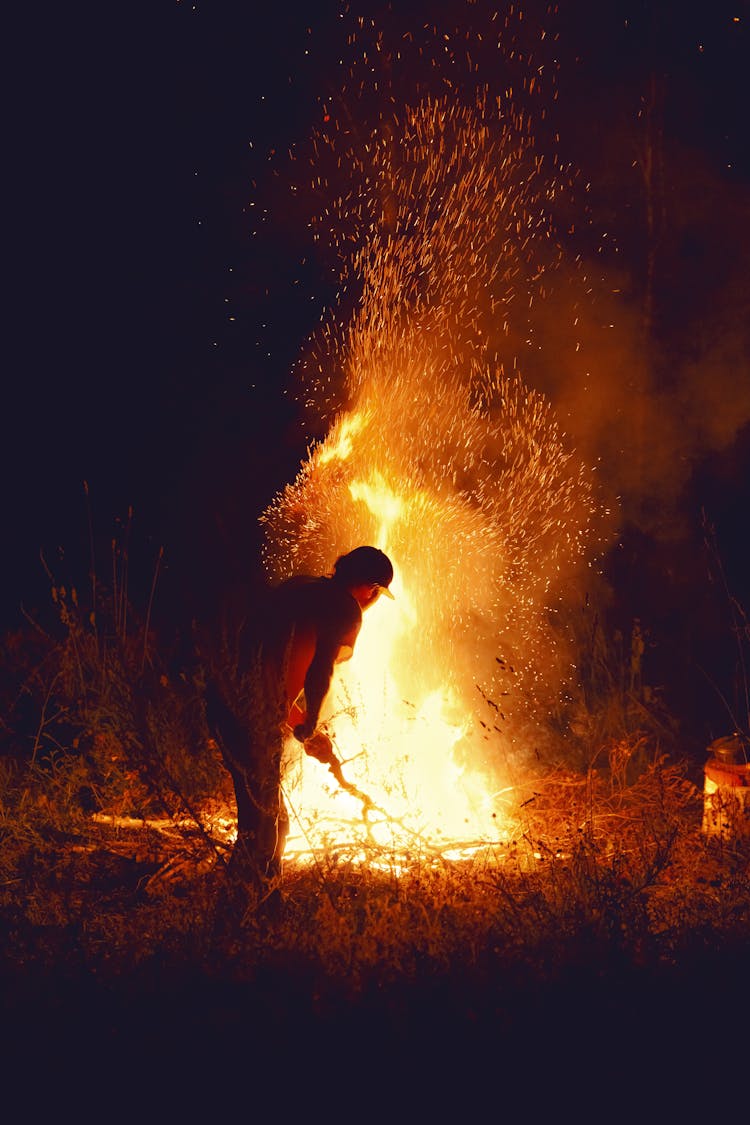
pixel 402 744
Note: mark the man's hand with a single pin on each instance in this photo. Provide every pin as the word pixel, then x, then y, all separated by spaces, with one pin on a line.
pixel 319 746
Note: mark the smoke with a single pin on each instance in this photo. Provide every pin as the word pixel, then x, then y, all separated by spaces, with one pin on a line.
pixel 649 403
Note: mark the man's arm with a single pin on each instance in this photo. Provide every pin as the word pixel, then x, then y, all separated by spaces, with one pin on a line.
pixel 317 683
pixel 339 631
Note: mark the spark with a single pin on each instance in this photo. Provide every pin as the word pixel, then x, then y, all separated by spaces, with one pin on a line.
pixel 439 451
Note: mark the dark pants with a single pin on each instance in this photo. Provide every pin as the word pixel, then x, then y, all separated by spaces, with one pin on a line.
pixel 247 728
pixel 262 822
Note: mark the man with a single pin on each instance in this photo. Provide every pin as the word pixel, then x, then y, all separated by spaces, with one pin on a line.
pixel 274 677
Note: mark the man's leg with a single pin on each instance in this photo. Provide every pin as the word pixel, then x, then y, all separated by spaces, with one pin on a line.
pixel 252 748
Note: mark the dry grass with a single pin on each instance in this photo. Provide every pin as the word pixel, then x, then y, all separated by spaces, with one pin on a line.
pixel 115 817
pixel 597 866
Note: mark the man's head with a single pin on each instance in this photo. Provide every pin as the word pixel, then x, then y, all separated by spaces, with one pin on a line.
pixel 366 572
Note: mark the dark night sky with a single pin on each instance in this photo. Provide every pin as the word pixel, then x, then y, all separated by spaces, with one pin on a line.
pixel 130 248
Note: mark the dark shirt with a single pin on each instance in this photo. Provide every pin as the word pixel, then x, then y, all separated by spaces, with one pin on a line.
pixel 308 625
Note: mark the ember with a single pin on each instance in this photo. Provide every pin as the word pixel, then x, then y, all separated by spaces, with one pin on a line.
pixel 439 453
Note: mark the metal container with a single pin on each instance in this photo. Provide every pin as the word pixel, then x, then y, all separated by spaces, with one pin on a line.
pixel 726 793
pixel 732 749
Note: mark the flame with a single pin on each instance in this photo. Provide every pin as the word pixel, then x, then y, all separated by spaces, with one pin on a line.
pixel 455 468
pixel 403 744
pixel 339 445
pixel 382 502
